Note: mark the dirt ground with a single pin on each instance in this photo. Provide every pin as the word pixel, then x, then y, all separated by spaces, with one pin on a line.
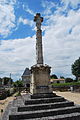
pixel 4 103
pixel 71 96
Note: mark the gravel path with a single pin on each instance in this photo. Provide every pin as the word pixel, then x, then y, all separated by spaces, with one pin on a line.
pixel 4 103
pixel 71 96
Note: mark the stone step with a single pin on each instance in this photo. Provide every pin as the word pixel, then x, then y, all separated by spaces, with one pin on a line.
pixel 45 106
pixel 44 100
pixel 43 95
pixel 72 116
pixel 44 113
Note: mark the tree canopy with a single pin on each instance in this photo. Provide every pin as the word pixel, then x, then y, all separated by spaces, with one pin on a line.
pixel 62 77
pixel 76 68
pixel 54 76
pixel 67 80
pixel 7 80
pixel 18 83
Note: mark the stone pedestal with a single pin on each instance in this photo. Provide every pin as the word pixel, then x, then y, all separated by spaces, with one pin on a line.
pixel 40 79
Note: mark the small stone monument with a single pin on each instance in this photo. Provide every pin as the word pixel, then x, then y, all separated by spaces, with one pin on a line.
pixel 40 73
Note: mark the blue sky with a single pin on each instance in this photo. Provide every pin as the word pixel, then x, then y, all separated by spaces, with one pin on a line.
pixel 61 33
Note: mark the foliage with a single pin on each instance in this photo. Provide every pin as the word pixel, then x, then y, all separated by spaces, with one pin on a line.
pixel 65 84
pixel 3 94
pixel 18 94
pixel 18 83
pixel 62 77
pixel 7 80
pixel 0 81
pixel 76 68
pixel 54 76
pixel 67 80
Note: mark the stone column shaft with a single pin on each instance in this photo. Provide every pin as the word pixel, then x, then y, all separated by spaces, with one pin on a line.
pixel 39 51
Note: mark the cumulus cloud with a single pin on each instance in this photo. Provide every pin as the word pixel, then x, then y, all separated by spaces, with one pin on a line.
pixel 61 41
pixel 61 44
pixel 27 9
pixel 17 54
pixel 26 21
pixel 48 6
pixel 72 3
pixel 7 17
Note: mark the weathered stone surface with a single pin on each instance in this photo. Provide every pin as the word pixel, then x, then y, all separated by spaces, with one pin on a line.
pixel 40 82
pixel 12 106
pixel 39 52
pixel 56 108
pixel 40 73
pixel 72 116
pixel 44 113
pixel 45 100
pixel 6 113
pixel 43 95
pixel 45 106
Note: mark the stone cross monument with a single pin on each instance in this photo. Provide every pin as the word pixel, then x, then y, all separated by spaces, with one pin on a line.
pixel 40 73
pixel 39 53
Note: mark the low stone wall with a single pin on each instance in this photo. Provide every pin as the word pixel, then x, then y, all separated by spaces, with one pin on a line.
pixel 75 88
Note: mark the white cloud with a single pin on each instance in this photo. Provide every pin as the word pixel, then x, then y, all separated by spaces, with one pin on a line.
pixel 16 55
pixel 26 21
pixel 7 17
pixel 27 9
pixel 48 6
pixel 73 3
pixel 7 2
pixel 61 47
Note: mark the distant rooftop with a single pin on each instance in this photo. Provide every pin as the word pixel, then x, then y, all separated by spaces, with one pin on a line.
pixel 27 72
pixel 57 79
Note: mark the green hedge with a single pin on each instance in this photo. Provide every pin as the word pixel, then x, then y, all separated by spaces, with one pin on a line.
pixel 65 84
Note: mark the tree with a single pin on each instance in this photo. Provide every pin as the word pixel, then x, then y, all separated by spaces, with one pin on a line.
pixel 62 77
pixel 6 80
pixel 54 76
pixel 68 80
pixel 76 68
pixel 0 81
pixel 18 83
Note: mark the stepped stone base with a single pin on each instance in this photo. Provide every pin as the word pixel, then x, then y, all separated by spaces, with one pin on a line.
pixel 46 108
pixel 45 100
pixel 43 95
pixel 72 116
pixel 44 113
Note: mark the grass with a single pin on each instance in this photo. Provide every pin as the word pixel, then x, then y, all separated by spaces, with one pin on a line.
pixel 17 94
